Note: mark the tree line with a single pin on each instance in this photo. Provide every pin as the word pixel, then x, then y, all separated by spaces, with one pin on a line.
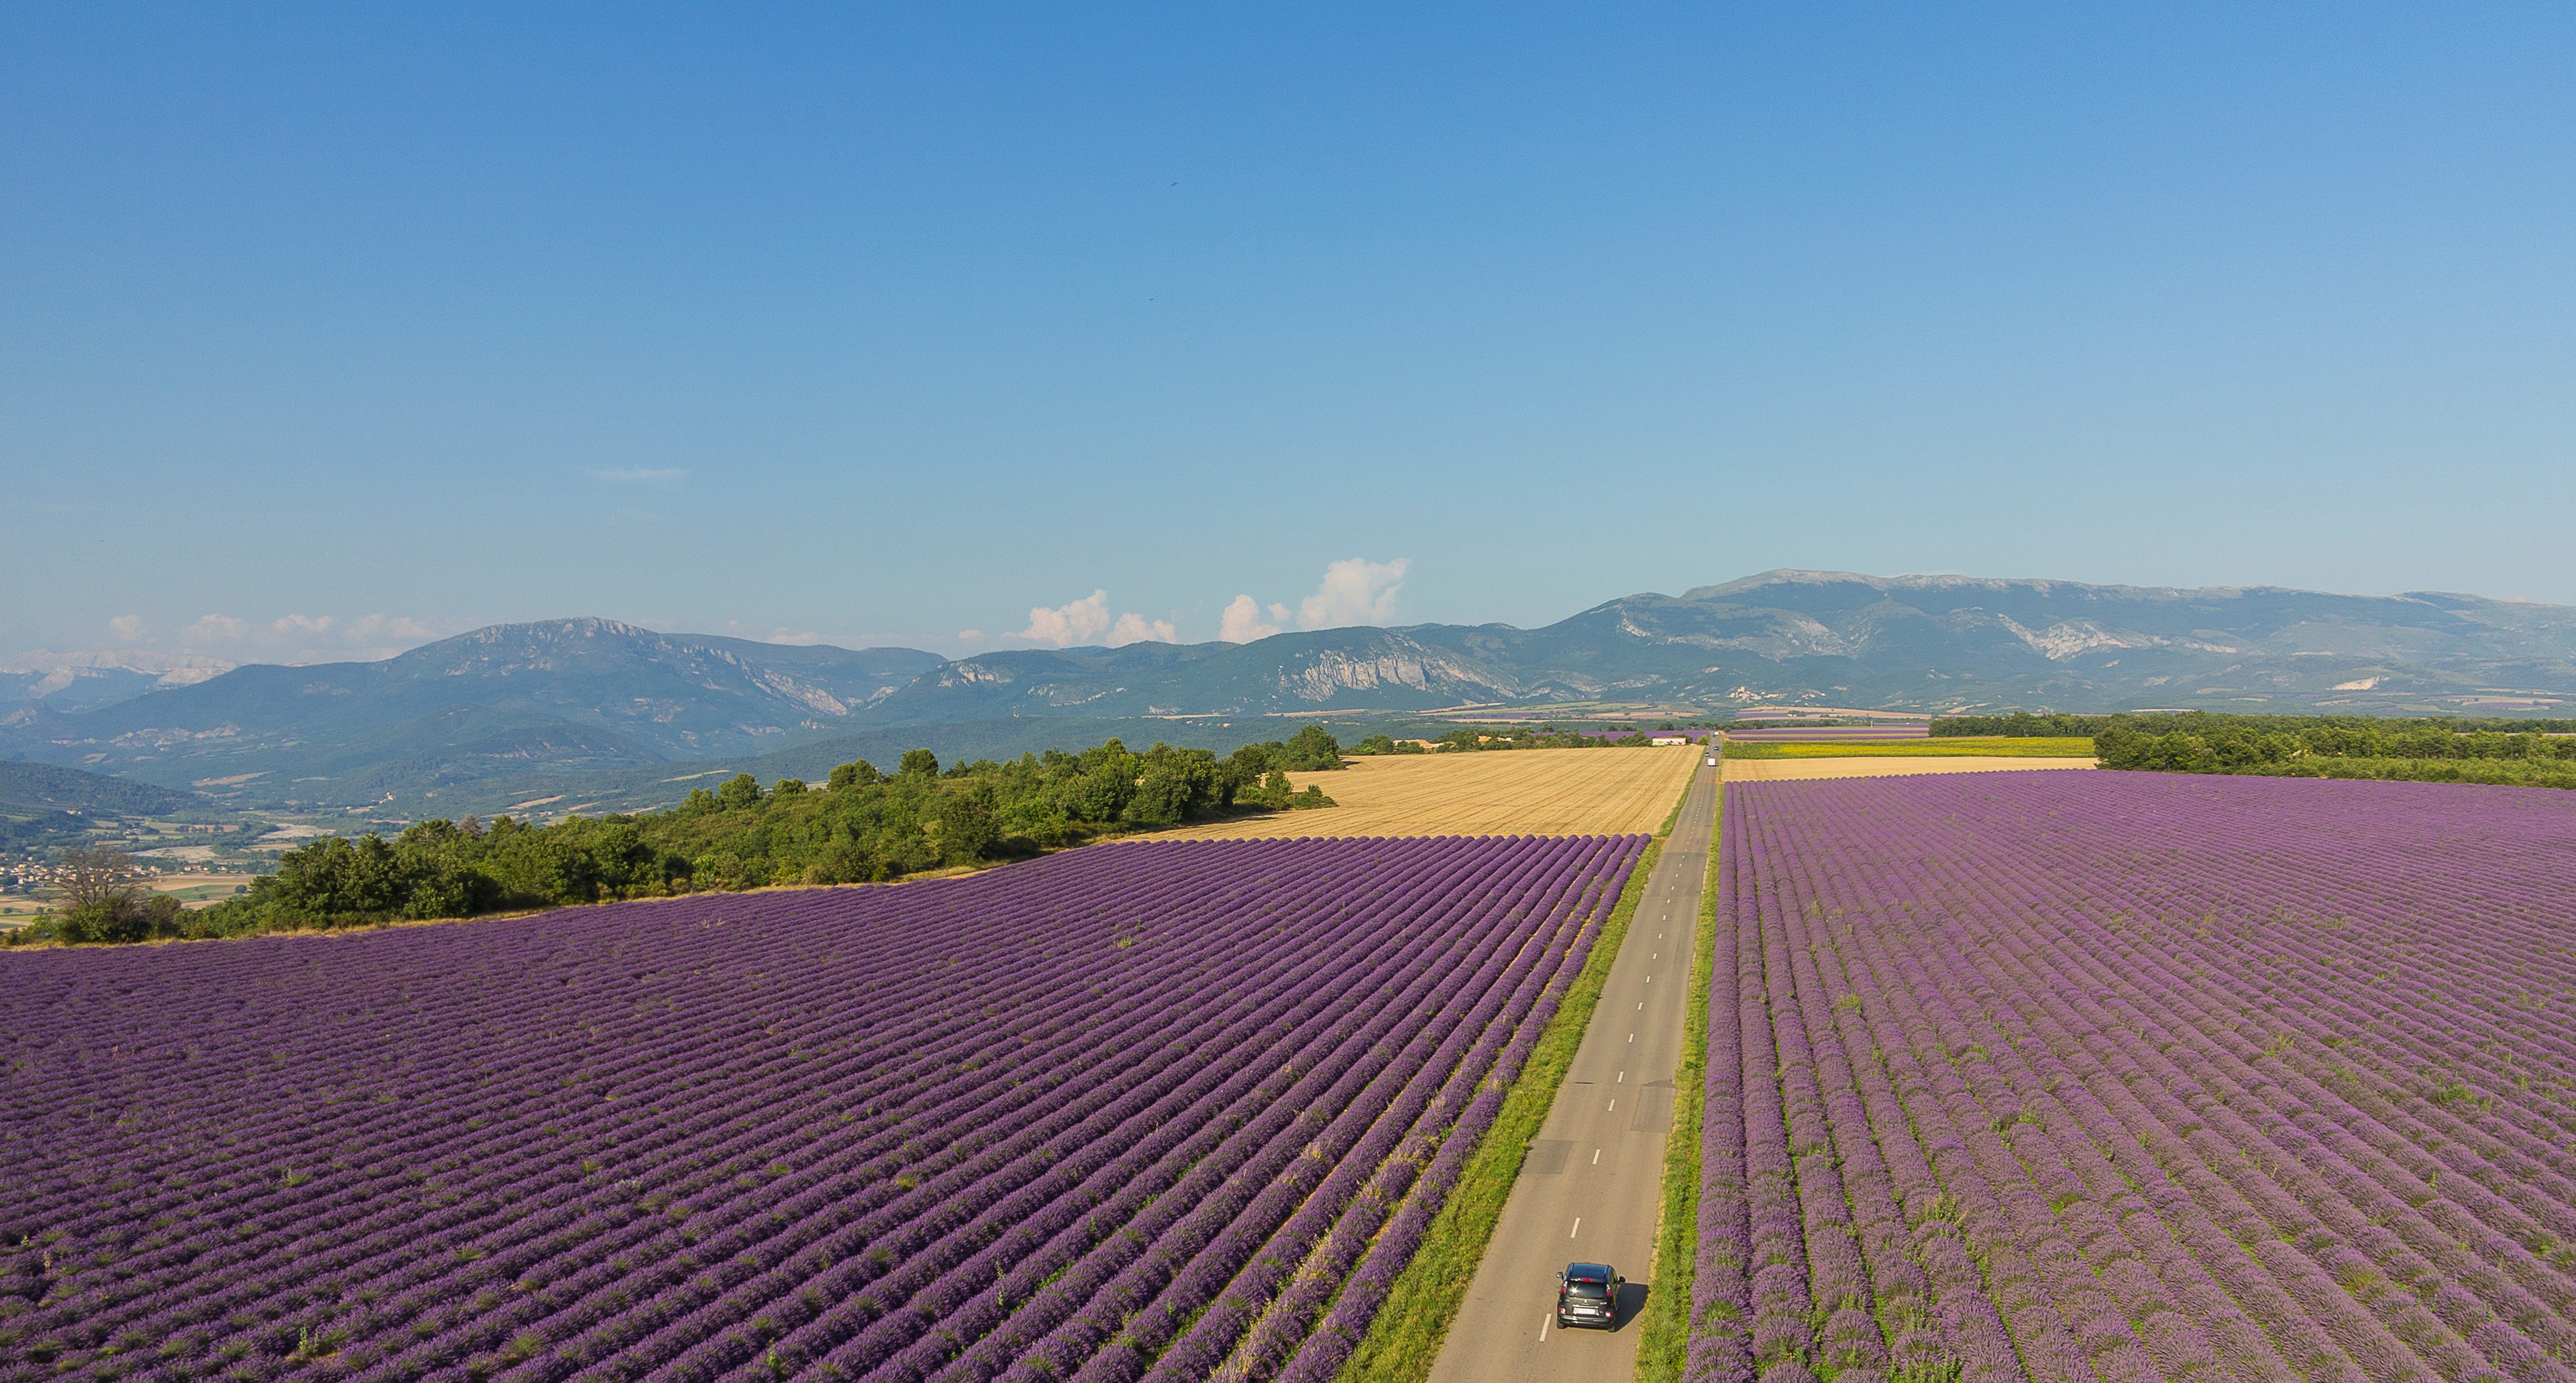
pixel 2416 751
pixel 2457 749
pixel 1483 738
pixel 2027 724
pixel 863 825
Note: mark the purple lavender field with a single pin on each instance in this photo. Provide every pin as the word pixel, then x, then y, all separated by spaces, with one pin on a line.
pixel 1133 1111
pixel 2124 1076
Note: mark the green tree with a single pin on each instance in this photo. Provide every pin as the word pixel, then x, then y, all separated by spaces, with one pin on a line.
pixel 1312 749
pixel 130 915
pixel 967 824
pixel 918 763
pixel 339 878
pixel 93 874
pixel 102 903
pixel 1175 786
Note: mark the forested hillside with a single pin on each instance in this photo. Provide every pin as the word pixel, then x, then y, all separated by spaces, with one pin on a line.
pixel 42 805
pixel 46 787
pixel 863 825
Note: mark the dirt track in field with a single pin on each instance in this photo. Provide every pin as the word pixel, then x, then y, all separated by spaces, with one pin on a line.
pixel 1543 792
pixel 1768 770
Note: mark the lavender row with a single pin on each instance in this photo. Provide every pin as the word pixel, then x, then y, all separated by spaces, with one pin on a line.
pixel 907 1132
pixel 2126 1078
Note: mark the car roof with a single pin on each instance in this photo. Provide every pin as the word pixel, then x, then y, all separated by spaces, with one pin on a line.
pixel 1597 1272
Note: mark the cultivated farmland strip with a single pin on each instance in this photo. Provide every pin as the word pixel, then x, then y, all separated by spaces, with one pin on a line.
pixel 2219 1078
pixel 1078 1110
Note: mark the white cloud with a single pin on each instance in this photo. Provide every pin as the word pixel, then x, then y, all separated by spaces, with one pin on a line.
pixel 129 628
pixel 1355 591
pixel 1087 621
pixel 302 626
pixel 970 636
pixel 664 477
pixel 1078 621
pixel 1243 622
pixel 216 629
pixel 1133 628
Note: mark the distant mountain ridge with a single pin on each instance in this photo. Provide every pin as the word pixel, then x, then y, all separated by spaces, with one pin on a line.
pixel 544 703
pixel 1387 669
pixel 575 693
pixel 1910 642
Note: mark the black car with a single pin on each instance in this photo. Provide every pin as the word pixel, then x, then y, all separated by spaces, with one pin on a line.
pixel 1588 1294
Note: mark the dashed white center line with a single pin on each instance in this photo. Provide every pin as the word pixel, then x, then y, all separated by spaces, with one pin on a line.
pixel 1542 1327
pixel 1596 1157
pixel 1578 1227
pixel 1623 1079
pixel 1614 1106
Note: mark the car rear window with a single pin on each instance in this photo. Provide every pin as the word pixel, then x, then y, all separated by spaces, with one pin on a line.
pixel 1594 1290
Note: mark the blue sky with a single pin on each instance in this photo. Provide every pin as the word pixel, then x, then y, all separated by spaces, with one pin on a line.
pixel 325 330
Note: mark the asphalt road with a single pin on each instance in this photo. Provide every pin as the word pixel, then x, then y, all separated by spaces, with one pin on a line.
pixel 1591 1185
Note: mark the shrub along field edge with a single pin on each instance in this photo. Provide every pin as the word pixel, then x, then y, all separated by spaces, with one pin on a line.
pixel 1404 1342
pixel 2492 772
pixel 1663 1347
pixel 2511 773
pixel 1994 746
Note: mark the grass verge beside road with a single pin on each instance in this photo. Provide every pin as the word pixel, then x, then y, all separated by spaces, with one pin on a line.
pixel 1404 1341
pixel 1989 746
pixel 1664 1346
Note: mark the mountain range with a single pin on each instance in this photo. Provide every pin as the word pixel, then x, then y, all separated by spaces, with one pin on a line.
pixel 564 710
pixel 83 681
pixel 1909 642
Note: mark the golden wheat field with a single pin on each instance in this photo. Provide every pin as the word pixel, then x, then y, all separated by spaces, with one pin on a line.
pixel 1542 792
pixel 1765 770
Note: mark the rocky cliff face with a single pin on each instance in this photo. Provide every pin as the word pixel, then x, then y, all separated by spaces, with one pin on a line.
pixel 1325 675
